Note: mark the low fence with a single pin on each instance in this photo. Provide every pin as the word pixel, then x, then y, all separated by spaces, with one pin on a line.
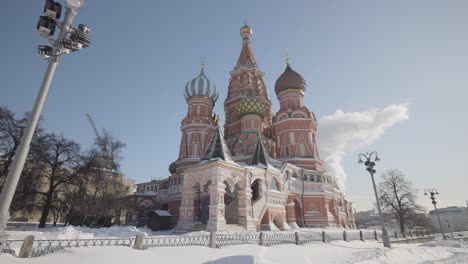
pixel 176 241
pixel 39 248
pixel 43 247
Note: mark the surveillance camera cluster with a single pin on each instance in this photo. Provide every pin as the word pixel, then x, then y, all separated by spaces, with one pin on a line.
pixel 73 40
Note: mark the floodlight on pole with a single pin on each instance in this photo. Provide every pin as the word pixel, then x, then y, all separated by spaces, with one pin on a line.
pixel 433 192
pixel 370 160
pixel 62 45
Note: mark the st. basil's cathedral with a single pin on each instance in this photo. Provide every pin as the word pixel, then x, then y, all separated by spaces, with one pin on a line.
pixel 262 172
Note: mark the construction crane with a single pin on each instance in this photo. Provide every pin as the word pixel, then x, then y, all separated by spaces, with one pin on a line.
pixel 98 137
pixel 100 142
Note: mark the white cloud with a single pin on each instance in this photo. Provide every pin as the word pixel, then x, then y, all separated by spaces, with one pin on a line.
pixel 343 132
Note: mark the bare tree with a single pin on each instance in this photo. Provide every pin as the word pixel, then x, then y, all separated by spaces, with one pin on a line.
pixel 11 132
pixel 397 196
pixel 101 190
pixel 57 164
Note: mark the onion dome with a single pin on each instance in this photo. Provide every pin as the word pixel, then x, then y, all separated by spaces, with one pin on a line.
pixel 201 86
pixel 290 79
pixel 172 168
pixel 245 29
pixel 251 105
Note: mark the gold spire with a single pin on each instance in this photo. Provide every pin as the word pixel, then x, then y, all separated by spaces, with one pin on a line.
pixel 245 29
pixel 287 56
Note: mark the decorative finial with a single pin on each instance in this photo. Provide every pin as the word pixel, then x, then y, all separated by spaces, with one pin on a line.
pixel 203 64
pixel 287 56
pixel 245 28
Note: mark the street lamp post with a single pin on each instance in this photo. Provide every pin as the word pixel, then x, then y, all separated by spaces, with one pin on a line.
pixel 370 160
pixel 69 40
pixel 433 192
pixel 450 229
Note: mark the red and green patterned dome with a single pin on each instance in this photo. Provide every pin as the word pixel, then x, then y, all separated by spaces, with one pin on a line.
pixel 290 79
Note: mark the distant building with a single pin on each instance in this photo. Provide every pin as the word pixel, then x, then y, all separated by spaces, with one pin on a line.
pixel 456 217
pixel 371 219
pixel 148 196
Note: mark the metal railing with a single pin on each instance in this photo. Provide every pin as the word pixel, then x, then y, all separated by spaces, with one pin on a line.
pixel 334 236
pixel 43 247
pixel 279 239
pixel 308 237
pixel 47 246
pixel 353 235
pixel 237 239
pixel 8 249
pixel 368 235
pixel 176 241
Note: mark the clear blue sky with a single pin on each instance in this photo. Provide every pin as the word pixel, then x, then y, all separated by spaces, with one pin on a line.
pixel 354 55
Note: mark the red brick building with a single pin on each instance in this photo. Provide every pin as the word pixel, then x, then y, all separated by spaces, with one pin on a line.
pixel 265 172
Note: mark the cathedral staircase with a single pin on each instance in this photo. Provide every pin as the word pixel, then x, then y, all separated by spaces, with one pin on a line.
pixel 259 207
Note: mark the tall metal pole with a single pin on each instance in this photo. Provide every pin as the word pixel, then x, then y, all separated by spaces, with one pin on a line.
pixel 438 219
pixel 433 192
pixel 385 238
pixel 450 229
pixel 14 173
pixel 370 168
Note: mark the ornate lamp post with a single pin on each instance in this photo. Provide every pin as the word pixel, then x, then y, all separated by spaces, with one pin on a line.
pixel 433 192
pixel 69 40
pixel 370 160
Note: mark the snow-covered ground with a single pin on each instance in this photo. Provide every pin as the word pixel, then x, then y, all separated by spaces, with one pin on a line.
pixel 75 232
pixel 334 252
pixel 369 252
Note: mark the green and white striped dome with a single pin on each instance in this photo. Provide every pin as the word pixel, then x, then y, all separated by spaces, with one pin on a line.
pixel 201 86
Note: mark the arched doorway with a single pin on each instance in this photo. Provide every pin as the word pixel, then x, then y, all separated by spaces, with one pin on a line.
pixel 231 202
pixel 205 203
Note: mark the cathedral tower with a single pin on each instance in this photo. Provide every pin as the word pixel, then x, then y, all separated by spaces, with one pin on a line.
pixel 294 124
pixel 200 123
pixel 246 80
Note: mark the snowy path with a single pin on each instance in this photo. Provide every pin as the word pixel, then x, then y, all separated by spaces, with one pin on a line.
pixel 334 252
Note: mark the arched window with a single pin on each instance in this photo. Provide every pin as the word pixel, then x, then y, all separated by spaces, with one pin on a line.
pixel 274 184
pixel 287 151
pixel 319 178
